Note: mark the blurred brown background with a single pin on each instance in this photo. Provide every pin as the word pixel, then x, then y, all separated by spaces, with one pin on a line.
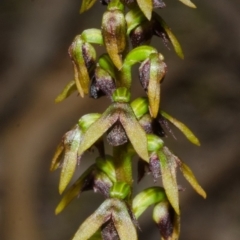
pixel 202 91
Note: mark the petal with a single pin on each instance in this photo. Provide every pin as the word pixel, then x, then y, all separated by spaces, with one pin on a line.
pixel 146 6
pixel 66 92
pixel 188 174
pixel 94 221
pixel 74 190
pixel 171 36
pixel 135 132
pixel 123 222
pixel 97 129
pixel 182 127
pixel 188 3
pixel 168 170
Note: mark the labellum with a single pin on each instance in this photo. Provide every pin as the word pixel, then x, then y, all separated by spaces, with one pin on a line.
pixel 116 135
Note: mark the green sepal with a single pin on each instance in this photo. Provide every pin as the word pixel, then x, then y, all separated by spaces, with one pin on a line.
pixel 157 73
pixel 120 190
pixel 66 92
pixel 155 143
pixel 146 6
pixel 182 127
pixel 140 106
pixel 123 223
pixel 114 35
pixel 188 3
pixel 168 170
pixel 147 198
pixel 176 45
pixel 135 132
pixel 121 94
pixel 74 190
pixel 134 18
pixel 139 54
pixel 87 120
pixel 76 54
pixel 86 5
pixel 189 176
pixel 92 35
pixel 98 128
pixel 71 143
pixel 106 63
pixel 124 113
pixel 106 165
pixel 108 210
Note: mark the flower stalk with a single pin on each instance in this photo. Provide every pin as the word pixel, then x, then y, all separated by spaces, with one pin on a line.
pixel 132 127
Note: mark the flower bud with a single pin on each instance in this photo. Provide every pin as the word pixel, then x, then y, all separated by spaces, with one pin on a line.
pixel 151 73
pixel 120 190
pixel 114 34
pixel 83 57
pixel 71 141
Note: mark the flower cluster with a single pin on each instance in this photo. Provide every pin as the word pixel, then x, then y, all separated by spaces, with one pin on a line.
pixel 132 127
